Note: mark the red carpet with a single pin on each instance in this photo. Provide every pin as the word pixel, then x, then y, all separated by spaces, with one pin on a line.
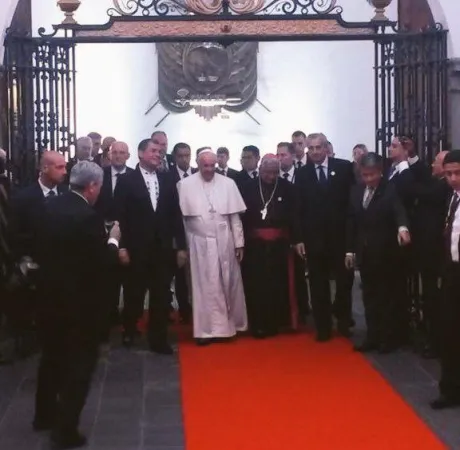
pixel 291 393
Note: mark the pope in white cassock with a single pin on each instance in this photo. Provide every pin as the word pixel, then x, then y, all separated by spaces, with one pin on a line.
pixel 211 205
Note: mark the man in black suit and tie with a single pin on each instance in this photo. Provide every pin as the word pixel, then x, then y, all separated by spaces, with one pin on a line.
pixel 324 188
pixel 286 155
pixel 182 156
pixel 359 150
pixel 105 205
pixel 377 224
pixel 403 178
pixel 250 157
pixel 299 141
pixel 223 155
pixel 428 236
pixel 151 222
pixel 74 252
pixel 167 160
pixel 26 210
pixel 449 384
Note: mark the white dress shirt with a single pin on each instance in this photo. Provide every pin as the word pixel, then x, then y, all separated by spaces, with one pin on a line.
pixel 115 174
pixel 290 173
pixel 251 173
pixel 151 182
pixel 455 236
pixel 324 165
pixel 302 161
pixel 413 160
pixel 398 168
pixel 47 190
pixel 182 173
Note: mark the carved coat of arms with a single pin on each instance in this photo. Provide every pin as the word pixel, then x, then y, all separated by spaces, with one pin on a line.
pixel 207 77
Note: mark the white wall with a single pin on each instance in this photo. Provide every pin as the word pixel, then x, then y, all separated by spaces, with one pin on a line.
pixel 7 8
pixel 310 86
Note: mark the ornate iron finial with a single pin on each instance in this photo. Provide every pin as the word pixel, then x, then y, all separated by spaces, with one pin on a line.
pixel 380 6
pixel 68 7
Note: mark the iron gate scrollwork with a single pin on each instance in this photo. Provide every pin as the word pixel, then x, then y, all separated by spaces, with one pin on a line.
pixel 411 90
pixel 40 76
pixel 410 68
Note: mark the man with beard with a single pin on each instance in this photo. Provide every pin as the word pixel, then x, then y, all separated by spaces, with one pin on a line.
pixel 150 222
pixel 271 225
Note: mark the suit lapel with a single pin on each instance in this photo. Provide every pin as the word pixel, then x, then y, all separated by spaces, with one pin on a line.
pixel 330 170
pixel 377 194
pixel 141 187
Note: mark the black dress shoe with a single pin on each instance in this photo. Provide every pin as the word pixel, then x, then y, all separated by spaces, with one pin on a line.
pixel 323 336
pixel 64 441
pixel 127 341
pixel 4 360
pixel 344 330
pixel 444 402
pixel 385 349
pixel 203 342
pixel 162 349
pixel 365 347
pixel 42 425
pixel 429 353
pixel 259 334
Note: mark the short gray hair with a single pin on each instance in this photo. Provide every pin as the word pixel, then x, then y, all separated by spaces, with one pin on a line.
pixel 83 174
pixel 321 136
pixel 371 161
pixel 82 140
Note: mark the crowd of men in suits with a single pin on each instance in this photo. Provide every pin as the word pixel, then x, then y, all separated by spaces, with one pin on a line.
pixel 308 212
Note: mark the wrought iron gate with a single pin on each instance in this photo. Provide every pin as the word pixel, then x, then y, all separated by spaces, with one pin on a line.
pixel 411 90
pixel 40 80
pixel 410 69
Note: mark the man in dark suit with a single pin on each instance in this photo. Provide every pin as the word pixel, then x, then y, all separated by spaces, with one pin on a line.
pixel 223 155
pixel 403 178
pixel 286 155
pixel 151 222
pixel 428 236
pixel 449 384
pixel 105 206
pixel 26 209
pixel 250 157
pixel 83 150
pixel 96 140
pixel 324 187
pixel 376 221
pixel 73 252
pixel 359 150
pixel 167 160
pixel 182 156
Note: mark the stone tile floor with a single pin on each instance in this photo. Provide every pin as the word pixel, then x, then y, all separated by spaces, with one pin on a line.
pixel 135 401
pixel 134 404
